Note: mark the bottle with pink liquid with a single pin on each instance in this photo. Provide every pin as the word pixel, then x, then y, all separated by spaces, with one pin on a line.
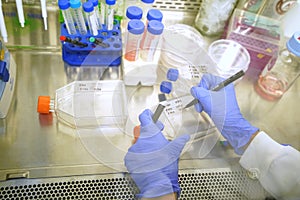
pixel 276 79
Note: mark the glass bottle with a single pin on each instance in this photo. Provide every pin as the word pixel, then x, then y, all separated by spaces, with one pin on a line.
pixel 276 79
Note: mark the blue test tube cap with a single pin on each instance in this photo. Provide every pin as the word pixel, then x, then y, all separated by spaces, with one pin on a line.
pixel 136 26
pixel 148 1
pixel 134 12
pixel 63 4
pixel 166 87
pixel 95 2
pixel 155 27
pixel 293 44
pixel 88 6
pixel 110 2
pixel 154 14
pixel 75 4
pixel 172 74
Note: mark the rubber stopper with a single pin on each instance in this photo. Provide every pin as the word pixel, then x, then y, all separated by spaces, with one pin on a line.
pixel 43 106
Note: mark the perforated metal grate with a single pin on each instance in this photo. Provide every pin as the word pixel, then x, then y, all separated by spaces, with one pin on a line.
pixel 195 184
pixel 178 5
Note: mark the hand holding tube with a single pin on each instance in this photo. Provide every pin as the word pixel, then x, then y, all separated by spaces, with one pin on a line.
pixel 153 161
pixel 223 108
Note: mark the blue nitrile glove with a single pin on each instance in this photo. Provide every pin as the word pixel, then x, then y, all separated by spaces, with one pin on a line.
pixel 153 160
pixel 223 109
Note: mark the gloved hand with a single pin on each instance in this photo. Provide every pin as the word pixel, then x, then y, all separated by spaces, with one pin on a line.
pixel 153 161
pixel 223 109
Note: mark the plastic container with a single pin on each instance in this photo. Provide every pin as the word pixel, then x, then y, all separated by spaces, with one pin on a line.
pixel 7 80
pixel 91 17
pixel 276 79
pixel 186 52
pixel 153 14
pixel 64 6
pixel 83 104
pixel 213 15
pixel 134 35
pixel 132 12
pixel 78 16
pixel 106 54
pixel 152 37
pixel 97 13
pixel 262 40
pixel 109 11
pixel 230 57
pixel 146 5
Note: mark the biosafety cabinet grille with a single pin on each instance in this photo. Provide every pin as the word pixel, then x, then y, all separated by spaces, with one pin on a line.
pixel 195 184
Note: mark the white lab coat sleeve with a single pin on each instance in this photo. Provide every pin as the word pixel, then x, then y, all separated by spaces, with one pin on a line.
pixel 276 166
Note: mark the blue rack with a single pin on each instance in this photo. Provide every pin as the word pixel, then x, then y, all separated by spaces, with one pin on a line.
pixel 93 54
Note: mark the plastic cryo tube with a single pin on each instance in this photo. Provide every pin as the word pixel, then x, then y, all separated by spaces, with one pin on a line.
pixel 109 11
pixel 153 33
pixel 2 25
pixel 135 31
pixel 91 17
pixel 20 12
pixel 64 6
pixel 78 16
pixel 44 13
pixel 96 10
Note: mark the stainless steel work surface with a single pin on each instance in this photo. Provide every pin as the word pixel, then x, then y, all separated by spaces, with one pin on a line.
pixel 40 155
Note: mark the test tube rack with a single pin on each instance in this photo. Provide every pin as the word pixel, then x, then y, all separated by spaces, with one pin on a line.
pixel 109 54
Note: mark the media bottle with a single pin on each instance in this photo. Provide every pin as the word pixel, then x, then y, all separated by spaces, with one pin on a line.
pixel 277 78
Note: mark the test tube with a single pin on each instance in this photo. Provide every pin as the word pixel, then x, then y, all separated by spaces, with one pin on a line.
pixel 2 24
pixel 134 35
pixel 78 16
pixel 152 36
pixel 64 6
pixel 91 17
pixel 96 10
pixel 109 14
